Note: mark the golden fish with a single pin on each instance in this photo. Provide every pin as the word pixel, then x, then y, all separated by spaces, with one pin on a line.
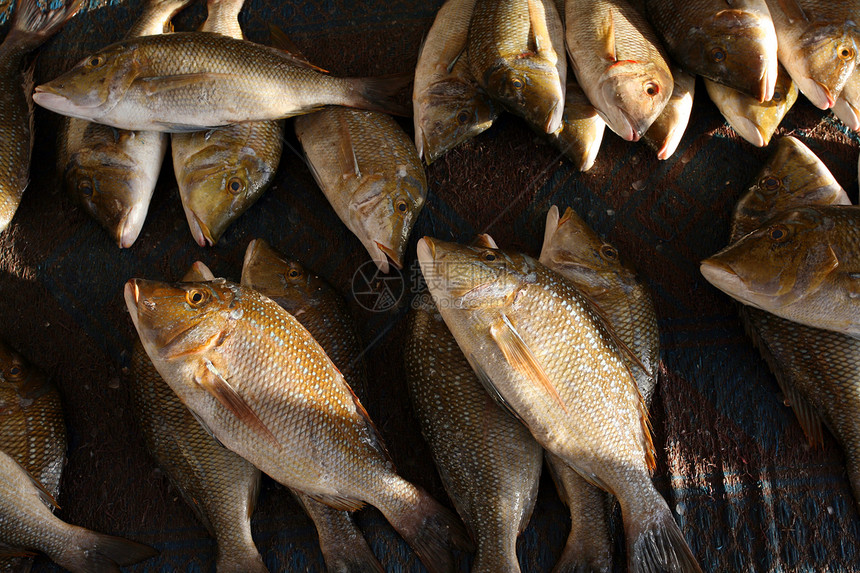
pixel 265 389
pixel 581 129
pixel 369 171
pixel 666 132
pixel 534 340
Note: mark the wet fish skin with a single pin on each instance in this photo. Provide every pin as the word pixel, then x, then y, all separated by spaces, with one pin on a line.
pixel 734 44
pixel 369 171
pixel 817 45
pixel 448 107
pixel 847 106
pixel 489 463
pixel 29 523
pixel 619 63
pixel 581 129
pixel 526 75
pixel 506 311
pixel 267 391
pixel 799 265
pixel 666 132
pixel 143 83
pixel 753 120
pixel 30 28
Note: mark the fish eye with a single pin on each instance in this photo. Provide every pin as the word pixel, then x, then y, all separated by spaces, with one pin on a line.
pixel 15 372
pixel 770 183
pixel 85 187
pixel 778 233
pixel 401 206
pixel 489 256
pixel 845 53
pixel 652 89
pixel 609 252
pixel 294 273
pixel 517 83
pixel 235 185
pixel 718 54
pixel 96 61
pixel 196 297
pixel 777 96
pixel 463 117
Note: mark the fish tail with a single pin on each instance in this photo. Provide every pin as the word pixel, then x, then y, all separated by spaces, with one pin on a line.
pixel 382 94
pixel 249 562
pixel 91 552
pixel 655 543
pixel 31 26
pixel 492 560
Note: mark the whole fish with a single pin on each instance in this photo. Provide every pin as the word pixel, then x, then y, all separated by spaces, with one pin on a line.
pixel 220 486
pixel 817 370
pixel 516 52
pixel 30 28
pixel 619 63
pixel 537 344
pixel 800 265
pixel 113 172
pixel 448 107
pixel 753 120
pixel 666 132
pixel 817 45
pixel 489 463
pixel 369 171
pixel 28 523
pixel 266 390
pixel 222 172
pixel 322 311
pixel 572 249
pixel 732 43
pixel 192 81
pixel 581 129
pixel 847 106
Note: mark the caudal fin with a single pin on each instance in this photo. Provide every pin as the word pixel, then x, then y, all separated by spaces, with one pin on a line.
pixel 383 94
pixel 91 552
pixel 656 544
pixel 31 26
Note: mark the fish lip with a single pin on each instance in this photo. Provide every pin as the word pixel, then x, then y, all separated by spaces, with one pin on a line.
pixel 752 132
pixel 131 293
pixel 393 257
pixel 846 113
pixel 723 277
pixel 554 117
pixel 821 97
pixel 199 230
pixel 427 245
pixel 768 82
pixel 43 95
pixel 634 133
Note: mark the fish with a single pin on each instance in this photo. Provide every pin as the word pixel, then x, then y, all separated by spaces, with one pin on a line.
pixel 29 523
pixel 266 390
pixel 799 265
pixel 323 312
pixel 30 28
pixel 220 486
pixel 489 463
pixel 448 107
pixel 533 340
pixel 516 53
pixel 754 121
pixel 817 45
pixel 222 172
pixel 619 63
pixel 192 81
pixel 370 172
pixel 666 132
pixel 732 43
pixel 111 172
pixel 847 106
pixel 581 129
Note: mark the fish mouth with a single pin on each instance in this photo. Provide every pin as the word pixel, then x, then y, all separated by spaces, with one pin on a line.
pixel 48 98
pixel 768 82
pixel 819 94
pixel 131 293
pixel 130 227
pixel 388 255
pixel 633 134
pixel 426 250
pixel 554 117
pixel 199 230
pixel 726 279
pixel 752 132
pixel 847 113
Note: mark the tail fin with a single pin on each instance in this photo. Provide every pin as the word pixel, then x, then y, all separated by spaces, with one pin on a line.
pixel 91 552
pixel 382 94
pixel 230 562
pixel 657 544
pixel 31 27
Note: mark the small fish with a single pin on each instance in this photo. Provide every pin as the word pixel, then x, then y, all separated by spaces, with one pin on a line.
pixel 191 81
pixel 800 265
pixel 516 53
pixel 847 106
pixel 534 340
pixel 753 120
pixel 489 463
pixel 265 389
pixel 30 28
pixel 222 172
pixel 666 132
pixel 448 107
pixel 368 169
pixel 581 129
pixel 817 45
pixel 619 63
pixel 28 523
pixel 732 43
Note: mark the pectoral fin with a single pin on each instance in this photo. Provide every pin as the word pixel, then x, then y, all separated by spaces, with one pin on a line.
pixel 540 33
pixel 337 502
pixel 488 385
pixel 154 85
pixel 606 36
pixel 44 494
pixel 792 10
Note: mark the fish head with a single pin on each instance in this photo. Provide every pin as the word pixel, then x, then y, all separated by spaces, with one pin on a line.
pixel 94 86
pixel 285 281
pixel 451 112
pixel 736 48
pixel 823 60
pixel 384 209
pixel 776 265
pixel 631 96
pixel 461 276
pixel 217 184
pixel 529 86
pixel 19 380
pixel 182 319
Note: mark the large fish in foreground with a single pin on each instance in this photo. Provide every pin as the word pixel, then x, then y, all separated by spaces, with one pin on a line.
pixel 192 81
pixel 220 486
pixel 369 171
pixel 30 28
pixel 539 346
pixel 265 389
